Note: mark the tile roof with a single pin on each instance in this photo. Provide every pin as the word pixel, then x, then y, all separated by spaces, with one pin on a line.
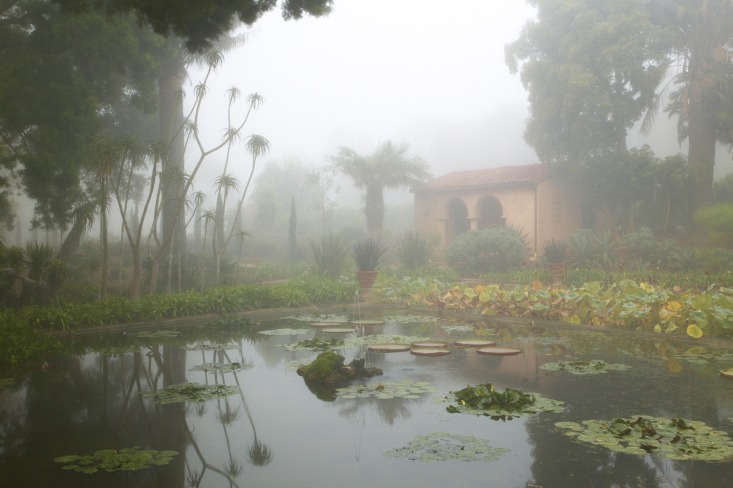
pixel 531 173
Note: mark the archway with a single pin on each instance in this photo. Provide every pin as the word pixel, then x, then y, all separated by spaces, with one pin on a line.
pixel 457 222
pixel 490 212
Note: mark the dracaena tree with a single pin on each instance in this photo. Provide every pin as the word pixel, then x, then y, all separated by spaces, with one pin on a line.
pixel 389 166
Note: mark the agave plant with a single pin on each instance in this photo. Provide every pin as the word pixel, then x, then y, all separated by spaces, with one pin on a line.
pixel 329 255
pixel 368 253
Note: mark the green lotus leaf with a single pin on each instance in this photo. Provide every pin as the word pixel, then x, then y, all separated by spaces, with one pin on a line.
pixel 440 446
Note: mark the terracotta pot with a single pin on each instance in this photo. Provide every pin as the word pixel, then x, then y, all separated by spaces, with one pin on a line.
pixel 366 278
pixel 558 271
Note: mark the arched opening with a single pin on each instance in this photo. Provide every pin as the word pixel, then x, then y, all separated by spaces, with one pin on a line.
pixel 490 212
pixel 457 219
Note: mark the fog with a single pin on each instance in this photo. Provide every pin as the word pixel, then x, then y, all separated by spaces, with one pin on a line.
pixel 411 71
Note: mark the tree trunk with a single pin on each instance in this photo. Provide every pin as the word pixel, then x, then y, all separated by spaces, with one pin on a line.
pixel 137 269
pixel 374 210
pixel 154 272
pixel 72 241
pixel 170 86
pixel 103 242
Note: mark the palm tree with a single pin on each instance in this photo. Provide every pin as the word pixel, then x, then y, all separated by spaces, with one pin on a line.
pixel 388 167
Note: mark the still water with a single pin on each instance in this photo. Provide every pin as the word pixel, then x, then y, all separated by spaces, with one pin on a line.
pixel 276 433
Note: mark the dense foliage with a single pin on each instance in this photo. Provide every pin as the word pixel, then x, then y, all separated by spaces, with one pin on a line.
pixel 413 251
pixel 495 249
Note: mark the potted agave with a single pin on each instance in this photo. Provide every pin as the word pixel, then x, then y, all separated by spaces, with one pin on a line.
pixel 367 254
pixel 556 259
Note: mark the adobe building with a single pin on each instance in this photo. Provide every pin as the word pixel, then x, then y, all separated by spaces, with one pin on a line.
pixel 526 197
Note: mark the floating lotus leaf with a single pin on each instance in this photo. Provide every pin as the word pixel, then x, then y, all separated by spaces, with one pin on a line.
pixel 314 344
pixel 486 400
pixel 322 325
pixel 389 347
pixel 332 318
pixel 284 332
pixel 338 330
pixel 727 373
pixel 440 446
pixel 429 344
pixel 674 438
pixel 367 323
pixel 158 334
pixel 193 392
pixel 217 367
pixel 212 347
pixel 701 356
pixel 385 391
pixel 593 366
pixel 457 328
pixel 694 331
pixel 430 352
pixel 475 343
pixel 110 460
pixel 356 341
pixel 411 319
pixel 498 351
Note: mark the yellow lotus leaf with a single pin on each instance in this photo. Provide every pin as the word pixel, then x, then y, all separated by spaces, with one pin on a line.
pixel 665 315
pixel 696 350
pixel 694 331
pixel 468 292
pixel 646 286
pixel 484 297
pixel 536 285
pixel 674 366
pixel 574 319
pixel 658 329
pixel 670 328
pixel 674 306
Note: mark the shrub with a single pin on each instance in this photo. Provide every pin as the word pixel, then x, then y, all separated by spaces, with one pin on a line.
pixel 329 255
pixel 497 249
pixel 368 253
pixel 413 251
pixel 556 252
pixel 717 220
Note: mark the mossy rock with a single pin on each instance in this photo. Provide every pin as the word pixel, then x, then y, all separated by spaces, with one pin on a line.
pixel 328 372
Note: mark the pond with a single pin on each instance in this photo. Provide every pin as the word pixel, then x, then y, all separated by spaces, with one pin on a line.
pixel 260 425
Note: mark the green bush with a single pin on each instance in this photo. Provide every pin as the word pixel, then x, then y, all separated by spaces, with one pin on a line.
pixel 413 251
pixel 556 252
pixel 367 254
pixel 497 249
pixel 717 220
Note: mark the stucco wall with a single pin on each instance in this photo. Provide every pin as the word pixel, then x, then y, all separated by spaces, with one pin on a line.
pixel 559 212
pixel 431 211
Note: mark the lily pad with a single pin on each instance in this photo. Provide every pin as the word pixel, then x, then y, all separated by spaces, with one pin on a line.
pixel 314 344
pixel 385 391
pixel 219 367
pixel 727 373
pixel 440 446
pixel 593 366
pixel 389 347
pixel 430 352
pixel 284 332
pixel 475 343
pixel 321 325
pixel 498 351
pixel 429 344
pixel 411 319
pixel 110 460
pixel 486 400
pixel 158 334
pixel 457 328
pixel 193 392
pixel 674 438
pixel 367 323
pixel 356 341
pixel 330 318
pixel 338 330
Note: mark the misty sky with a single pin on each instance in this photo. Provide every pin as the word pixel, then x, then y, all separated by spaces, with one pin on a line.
pixel 425 72
pixel 412 71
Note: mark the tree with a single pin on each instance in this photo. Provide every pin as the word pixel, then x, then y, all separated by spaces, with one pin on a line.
pixel 199 22
pixel 388 167
pixel 702 99
pixel 591 69
pixel 65 79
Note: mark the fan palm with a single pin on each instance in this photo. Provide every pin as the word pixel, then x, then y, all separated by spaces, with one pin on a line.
pixel 388 167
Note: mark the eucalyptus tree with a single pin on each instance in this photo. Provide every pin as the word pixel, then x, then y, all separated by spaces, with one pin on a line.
pixel 387 167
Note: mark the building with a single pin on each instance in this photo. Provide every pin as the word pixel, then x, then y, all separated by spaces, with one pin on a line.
pixel 543 207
